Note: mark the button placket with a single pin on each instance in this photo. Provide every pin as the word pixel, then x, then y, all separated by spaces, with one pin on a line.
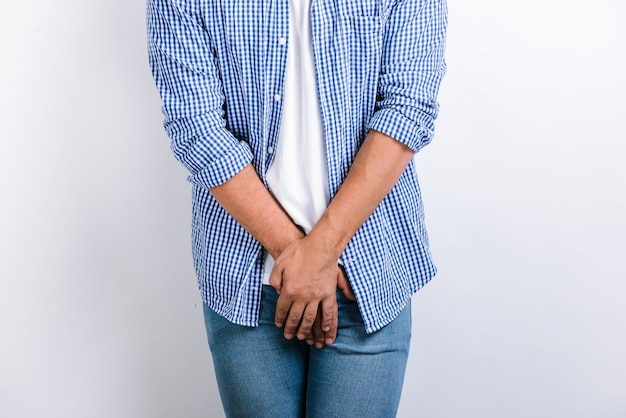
pixel 282 42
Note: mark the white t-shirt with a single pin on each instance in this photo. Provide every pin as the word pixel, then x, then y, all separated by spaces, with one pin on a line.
pixel 298 176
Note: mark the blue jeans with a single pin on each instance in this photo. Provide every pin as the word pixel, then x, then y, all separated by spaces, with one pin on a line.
pixel 261 374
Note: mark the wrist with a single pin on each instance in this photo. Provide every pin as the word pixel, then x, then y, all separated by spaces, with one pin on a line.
pixel 330 239
pixel 283 240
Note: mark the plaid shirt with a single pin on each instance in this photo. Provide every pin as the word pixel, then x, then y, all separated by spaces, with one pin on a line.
pixel 219 66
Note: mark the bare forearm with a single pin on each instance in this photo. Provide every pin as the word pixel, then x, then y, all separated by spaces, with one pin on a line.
pixel 247 200
pixel 380 162
pixel 307 268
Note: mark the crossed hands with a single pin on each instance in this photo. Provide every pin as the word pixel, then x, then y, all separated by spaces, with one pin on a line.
pixel 306 276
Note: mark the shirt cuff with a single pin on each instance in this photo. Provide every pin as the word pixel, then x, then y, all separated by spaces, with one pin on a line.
pixel 224 168
pixel 395 124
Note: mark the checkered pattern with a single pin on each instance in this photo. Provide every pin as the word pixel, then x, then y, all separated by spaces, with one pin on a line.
pixel 219 68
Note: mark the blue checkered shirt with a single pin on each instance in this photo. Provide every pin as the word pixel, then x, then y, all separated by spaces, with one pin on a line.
pixel 219 66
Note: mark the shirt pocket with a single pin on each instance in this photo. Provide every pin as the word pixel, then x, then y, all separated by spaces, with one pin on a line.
pixel 364 38
pixel 362 24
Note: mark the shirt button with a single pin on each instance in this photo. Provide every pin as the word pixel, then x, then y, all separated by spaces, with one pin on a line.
pixel 282 41
pixel 270 150
pixel 277 97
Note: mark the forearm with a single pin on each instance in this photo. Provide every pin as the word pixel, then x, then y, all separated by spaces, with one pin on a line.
pixel 247 200
pixel 378 165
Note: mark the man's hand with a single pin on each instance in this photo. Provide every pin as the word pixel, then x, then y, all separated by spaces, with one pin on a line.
pixel 317 335
pixel 306 275
pixel 344 285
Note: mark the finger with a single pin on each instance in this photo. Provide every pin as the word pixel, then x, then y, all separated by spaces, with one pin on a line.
pixel 310 338
pixel 318 334
pixel 308 317
pixel 344 285
pixel 329 319
pixel 276 279
pixel 283 305
pixel 331 336
pixel 293 320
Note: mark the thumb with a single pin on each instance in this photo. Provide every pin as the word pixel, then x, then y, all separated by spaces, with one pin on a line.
pixel 276 278
pixel 344 285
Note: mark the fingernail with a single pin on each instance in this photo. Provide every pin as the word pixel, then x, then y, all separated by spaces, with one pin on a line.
pixel 289 336
pixel 326 329
pixel 329 341
pixel 319 345
pixel 279 325
pixel 301 336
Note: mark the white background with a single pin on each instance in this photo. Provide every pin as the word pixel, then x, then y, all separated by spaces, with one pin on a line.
pixel 524 188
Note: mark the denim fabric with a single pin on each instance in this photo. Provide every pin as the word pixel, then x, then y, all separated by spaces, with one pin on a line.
pixel 261 374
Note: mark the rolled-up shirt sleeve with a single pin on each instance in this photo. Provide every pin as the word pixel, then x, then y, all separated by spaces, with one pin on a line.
pixel 412 66
pixel 187 76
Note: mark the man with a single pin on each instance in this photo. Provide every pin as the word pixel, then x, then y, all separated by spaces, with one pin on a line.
pixel 298 121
